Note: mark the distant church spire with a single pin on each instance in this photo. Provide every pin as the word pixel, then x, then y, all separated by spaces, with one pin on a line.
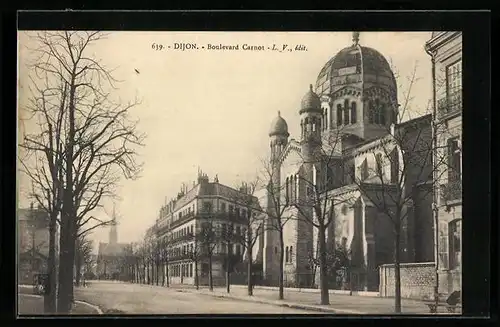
pixel 355 38
pixel 113 232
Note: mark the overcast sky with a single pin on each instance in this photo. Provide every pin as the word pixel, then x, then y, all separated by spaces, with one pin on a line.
pixel 213 109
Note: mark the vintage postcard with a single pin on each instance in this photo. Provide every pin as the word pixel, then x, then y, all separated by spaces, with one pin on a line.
pixel 239 172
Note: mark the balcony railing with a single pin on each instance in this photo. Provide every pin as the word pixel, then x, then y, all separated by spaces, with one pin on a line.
pixel 178 257
pixel 183 238
pixel 451 191
pixel 452 103
pixel 223 215
pixel 181 220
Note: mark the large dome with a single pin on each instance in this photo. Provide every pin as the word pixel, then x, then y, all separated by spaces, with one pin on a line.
pixel 279 126
pixel 354 64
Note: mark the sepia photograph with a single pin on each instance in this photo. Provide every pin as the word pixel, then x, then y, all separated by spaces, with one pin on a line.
pixel 175 172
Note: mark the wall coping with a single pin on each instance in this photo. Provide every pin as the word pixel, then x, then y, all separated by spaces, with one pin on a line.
pixel 409 264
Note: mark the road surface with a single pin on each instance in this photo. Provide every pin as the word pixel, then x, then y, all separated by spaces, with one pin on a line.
pixel 146 299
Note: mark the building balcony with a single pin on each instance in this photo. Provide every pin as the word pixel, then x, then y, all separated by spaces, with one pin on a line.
pixel 181 221
pixel 223 216
pixel 179 257
pixel 452 191
pixel 183 238
pixel 450 105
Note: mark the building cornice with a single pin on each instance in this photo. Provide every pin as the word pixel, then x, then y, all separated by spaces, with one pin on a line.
pixel 437 41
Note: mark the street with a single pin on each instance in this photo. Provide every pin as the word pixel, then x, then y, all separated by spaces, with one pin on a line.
pixel 147 299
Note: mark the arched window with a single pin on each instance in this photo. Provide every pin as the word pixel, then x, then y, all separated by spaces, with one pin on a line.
pixel 325 118
pixel 331 117
pixel 339 115
pixel 455 240
pixel 379 162
pixel 286 190
pixel 275 250
pixel 371 112
pixel 382 114
pixel 286 254
pixel 353 113
pixel 395 166
pixel 291 254
pixel 376 112
pixel 346 111
pixel 296 187
pixel 443 245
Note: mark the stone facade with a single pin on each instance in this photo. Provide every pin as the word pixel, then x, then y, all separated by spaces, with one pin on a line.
pixel 354 152
pixel 182 221
pixel 445 49
pixel 417 280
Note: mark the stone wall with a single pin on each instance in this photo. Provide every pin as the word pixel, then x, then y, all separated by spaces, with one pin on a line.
pixel 417 280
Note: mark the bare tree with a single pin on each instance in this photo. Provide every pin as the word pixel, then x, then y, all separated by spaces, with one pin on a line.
pixel 157 260
pixel 83 254
pixel 402 177
pixel 322 167
pixel 278 213
pixel 95 139
pixel 226 238
pixel 208 239
pixel 196 254
pixel 141 262
pixel 41 160
pixel 165 243
pixel 253 223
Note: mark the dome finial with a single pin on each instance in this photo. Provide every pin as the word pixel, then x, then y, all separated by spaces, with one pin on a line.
pixel 355 38
pixel 279 113
pixel 310 87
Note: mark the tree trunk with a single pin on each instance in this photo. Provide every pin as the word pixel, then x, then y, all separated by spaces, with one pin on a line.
pixel 397 272
pixel 78 267
pixel 281 265
pixel 167 273
pixel 67 242
pixel 65 268
pixel 228 269
pixel 210 276
pixel 250 280
pixel 157 274
pixel 72 255
pixel 323 267
pixel 196 277
pixel 163 271
pixel 50 297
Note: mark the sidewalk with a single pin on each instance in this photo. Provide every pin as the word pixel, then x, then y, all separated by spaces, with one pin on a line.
pixel 31 304
pixel 341 304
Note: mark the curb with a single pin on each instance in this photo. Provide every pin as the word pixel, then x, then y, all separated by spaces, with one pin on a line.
pixel 280 304
pixel 95 307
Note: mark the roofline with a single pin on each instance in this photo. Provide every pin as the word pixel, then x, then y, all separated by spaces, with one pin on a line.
pixel 440 39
